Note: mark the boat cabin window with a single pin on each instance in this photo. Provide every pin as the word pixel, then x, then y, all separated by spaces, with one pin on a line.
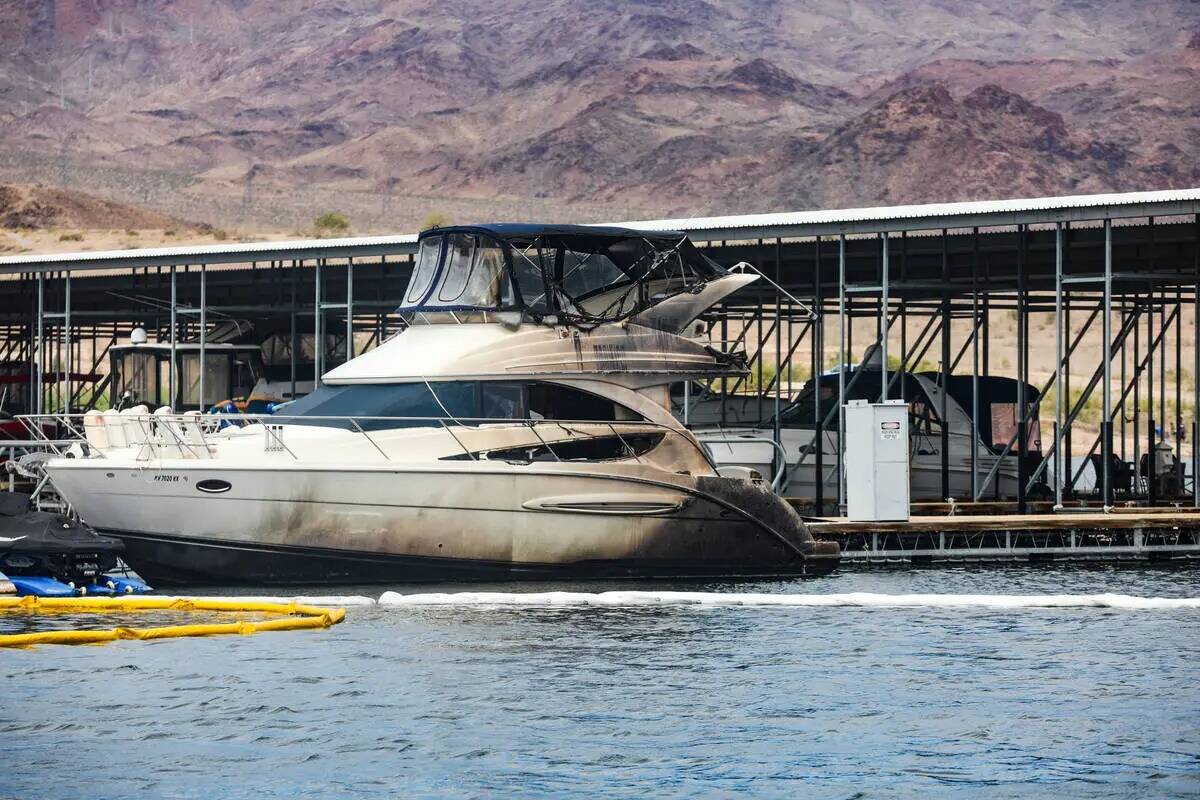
pixel 217 375
pixel 592 448
pixel 1004 429
pixel 466 401
pixel 365 400
pixel 998 409
pixel 138 374
pixel 553 401
pixel 503 401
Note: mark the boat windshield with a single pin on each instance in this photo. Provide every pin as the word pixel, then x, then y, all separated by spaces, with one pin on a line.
pixel 565 274
pixel 459 272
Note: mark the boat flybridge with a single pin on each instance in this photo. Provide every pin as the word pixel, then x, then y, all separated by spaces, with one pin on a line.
pixel 518 427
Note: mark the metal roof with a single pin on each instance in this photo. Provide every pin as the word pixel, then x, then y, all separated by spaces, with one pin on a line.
pixel 232 253
pixel 527 230
pixel 983 213
pixel 931 216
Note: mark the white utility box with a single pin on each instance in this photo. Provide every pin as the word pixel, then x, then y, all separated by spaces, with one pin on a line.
pixel 877 480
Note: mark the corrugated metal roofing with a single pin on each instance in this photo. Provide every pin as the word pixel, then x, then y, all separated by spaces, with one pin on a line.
pixel 796 223
pixel 262 251
pixel 925 211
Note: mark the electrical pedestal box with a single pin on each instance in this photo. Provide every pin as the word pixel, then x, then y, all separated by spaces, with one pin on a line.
pixel 877 480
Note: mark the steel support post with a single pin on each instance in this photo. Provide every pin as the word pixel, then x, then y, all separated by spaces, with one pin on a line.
pixel 1058 364
pixel 1162 368
pixel 294 336
pixel 1022 362
pixel 975 325
pixel 203 332
pixel 779 366
pixel 349 308
pixel 903 316
pixel 318 336
pixel 1151 440
pixel 174 399
pixel 40 361
pixel 1106 418
pixel 66 344
pixel 760 340
pixel 943 405
pixel 818 348
pixel 1137 391
pixel 884 303
pixel 1065 386
pixel 1178 421
pixel 1196 361
pixel 841 464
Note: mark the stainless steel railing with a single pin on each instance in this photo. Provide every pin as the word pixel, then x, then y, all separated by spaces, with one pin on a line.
pixel 194 434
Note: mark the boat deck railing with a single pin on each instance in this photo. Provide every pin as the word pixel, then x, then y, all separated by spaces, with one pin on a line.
pixel 192 434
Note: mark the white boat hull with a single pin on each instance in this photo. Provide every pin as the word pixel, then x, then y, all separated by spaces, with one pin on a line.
pixel 185 521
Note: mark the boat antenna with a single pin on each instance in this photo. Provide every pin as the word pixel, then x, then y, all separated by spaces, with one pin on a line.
pixel 744 266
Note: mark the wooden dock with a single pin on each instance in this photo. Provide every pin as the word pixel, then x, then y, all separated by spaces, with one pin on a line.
pixel 1120 535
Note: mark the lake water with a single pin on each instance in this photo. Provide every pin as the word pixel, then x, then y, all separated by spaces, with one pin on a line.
pixel 664 701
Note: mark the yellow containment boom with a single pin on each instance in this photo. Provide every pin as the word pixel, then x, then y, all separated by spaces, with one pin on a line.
pixel 298 617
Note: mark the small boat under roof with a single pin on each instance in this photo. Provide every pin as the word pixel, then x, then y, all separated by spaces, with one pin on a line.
pixel 519 427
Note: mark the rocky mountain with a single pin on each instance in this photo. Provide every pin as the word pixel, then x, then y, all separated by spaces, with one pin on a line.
pixel 259 111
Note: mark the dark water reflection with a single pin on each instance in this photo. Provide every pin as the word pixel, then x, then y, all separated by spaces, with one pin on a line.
pixel 609 702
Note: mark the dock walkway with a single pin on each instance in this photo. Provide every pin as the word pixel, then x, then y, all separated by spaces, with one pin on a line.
pixel 1124 535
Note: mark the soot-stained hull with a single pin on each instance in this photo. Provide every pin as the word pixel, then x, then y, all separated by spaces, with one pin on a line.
pixel 176 561
pixel 468 522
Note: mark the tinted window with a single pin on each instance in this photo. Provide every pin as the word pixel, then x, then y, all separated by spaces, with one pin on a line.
pixel 453 398
pixel 502 401
pixel 465 400
pixel 551 401
pixel 138 373
pixel 595 448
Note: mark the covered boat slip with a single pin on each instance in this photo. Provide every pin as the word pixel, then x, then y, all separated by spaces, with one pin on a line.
pixel 1106 283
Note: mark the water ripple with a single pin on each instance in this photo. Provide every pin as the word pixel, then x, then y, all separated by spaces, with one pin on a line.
pixel 614 700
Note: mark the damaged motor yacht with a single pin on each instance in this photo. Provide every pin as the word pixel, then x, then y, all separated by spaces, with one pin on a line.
pixel 518 427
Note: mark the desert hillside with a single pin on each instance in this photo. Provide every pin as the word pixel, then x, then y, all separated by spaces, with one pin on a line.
pixel 260 115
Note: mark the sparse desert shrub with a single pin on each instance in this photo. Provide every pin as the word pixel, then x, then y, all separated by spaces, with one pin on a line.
pixel 74 236
pixel 220 234
pixel 331 223
pixel 435 220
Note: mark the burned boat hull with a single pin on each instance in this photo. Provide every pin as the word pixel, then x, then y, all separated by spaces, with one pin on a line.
pixel 467 522
pixel 176 561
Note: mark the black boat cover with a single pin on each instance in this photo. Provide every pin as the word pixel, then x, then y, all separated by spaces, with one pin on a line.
pixel 23 530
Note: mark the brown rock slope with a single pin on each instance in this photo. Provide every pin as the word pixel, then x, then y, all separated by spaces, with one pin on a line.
pixel 671 106
pixel 42 207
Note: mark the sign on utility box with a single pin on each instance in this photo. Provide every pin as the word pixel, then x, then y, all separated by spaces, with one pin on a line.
pixel 877 482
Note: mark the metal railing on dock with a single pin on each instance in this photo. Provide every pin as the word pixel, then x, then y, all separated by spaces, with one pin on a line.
pixel 1153 535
